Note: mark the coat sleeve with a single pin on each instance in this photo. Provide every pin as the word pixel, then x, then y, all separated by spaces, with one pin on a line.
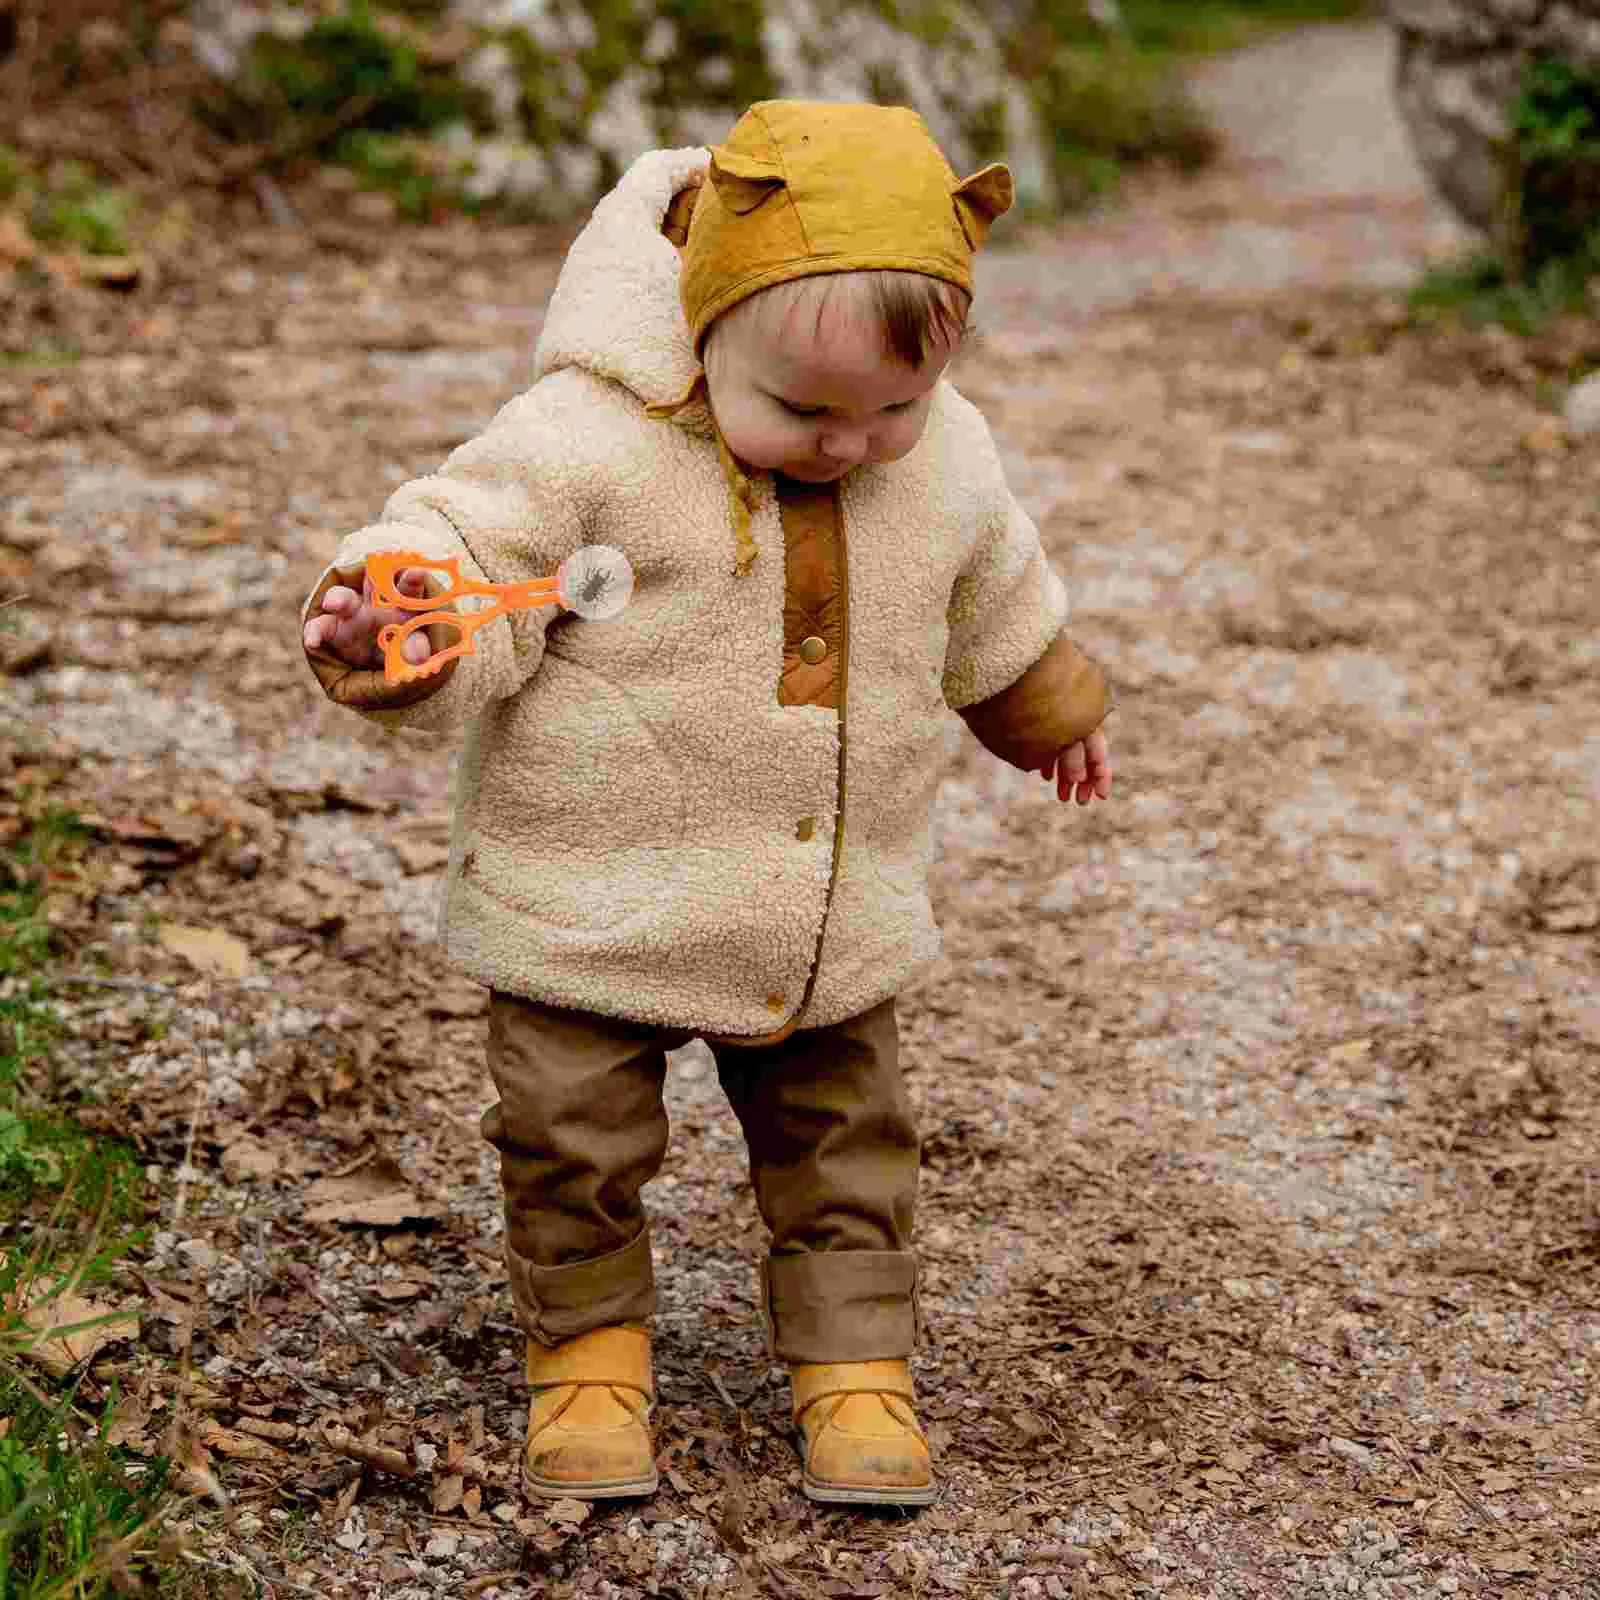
pixel 510 505
pixel 1016 679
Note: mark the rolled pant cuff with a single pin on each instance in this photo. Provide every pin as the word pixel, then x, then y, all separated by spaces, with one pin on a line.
pixel 841 1305
pixel 557 1303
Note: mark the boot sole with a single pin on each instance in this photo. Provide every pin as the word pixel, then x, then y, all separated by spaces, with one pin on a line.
pixel 621 1489
pixel 849 1494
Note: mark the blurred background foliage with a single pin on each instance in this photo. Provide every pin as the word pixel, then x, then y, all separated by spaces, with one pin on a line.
pixel 124 123
pixel 139 95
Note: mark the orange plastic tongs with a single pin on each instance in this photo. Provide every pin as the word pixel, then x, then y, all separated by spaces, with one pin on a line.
pixel 595 581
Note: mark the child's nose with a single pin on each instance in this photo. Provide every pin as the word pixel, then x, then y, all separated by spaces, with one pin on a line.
pixel 844 444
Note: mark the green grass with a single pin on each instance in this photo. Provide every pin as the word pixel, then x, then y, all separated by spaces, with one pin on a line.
pixel 1483 290
pixel 78 1517
pixel 66 206
pixel 1544 261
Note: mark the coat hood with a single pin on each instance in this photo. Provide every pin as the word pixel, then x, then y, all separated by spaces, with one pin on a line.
pixel 616 310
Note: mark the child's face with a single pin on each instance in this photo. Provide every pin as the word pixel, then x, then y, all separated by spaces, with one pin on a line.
pixel 810 391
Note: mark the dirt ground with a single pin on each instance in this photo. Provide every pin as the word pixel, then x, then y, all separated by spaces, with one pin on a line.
pixel 1259 1217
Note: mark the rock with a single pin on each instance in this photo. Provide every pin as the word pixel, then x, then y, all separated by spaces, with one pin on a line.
pixel 1582 408
pixel 1458 71
pixel 1353 1452
pixel 566 95
pixel 443 1546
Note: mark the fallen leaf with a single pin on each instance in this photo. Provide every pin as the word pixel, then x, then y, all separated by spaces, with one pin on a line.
pixel 377 1196
pixel 459 999
pixel 248 1158
pixel 1511 1561
pixel 570 1512
pixel 402 1289
pixel 57 1351
pixel 207 950
pixel 420 855
pixel 447 1493
pixel 236 1446
pixel 1351 1050
pixel 16 243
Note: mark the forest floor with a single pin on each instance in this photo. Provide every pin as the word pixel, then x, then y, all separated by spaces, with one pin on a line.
pixel 1259 1220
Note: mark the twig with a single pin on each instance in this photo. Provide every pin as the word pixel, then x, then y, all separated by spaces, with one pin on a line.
pixel 360 1338
pixel 323 1397
pixel 715 1380
pixel 201 1100
pixel 1466 1497
pixel 488 1581
pixel 135 985
pixel 262 1574
pixel 370 1455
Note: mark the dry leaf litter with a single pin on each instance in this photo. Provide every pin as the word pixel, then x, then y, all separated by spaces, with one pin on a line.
pixel 1259 1215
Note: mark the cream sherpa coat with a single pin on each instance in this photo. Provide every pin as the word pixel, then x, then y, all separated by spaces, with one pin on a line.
pixel 643 827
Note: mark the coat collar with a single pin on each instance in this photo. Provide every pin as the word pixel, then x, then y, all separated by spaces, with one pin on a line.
pixel 616 310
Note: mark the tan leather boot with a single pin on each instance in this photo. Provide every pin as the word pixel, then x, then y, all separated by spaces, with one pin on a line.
pixel 589 1424
pixel 863 1444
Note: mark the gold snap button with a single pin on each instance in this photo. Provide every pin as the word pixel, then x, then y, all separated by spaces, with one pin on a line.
pixel 812 650
pixel 807 827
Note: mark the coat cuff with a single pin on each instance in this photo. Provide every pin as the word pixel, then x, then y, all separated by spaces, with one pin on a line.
pixel 1062 698
pixel 366 688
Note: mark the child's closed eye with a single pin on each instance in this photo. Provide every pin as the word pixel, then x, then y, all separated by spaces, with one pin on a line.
pixel 818 411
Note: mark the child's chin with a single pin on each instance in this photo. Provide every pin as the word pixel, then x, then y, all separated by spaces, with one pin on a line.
pixel 814 474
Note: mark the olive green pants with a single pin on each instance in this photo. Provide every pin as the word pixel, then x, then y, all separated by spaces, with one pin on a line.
pixel 580 1128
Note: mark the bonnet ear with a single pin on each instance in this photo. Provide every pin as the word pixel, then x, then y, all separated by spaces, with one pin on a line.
pixel 742 182
pixel 980 199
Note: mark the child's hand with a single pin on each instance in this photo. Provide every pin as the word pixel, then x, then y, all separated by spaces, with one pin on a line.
pixel 1084 766
pixel 349 624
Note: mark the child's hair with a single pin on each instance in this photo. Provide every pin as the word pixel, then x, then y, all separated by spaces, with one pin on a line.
pixel 915 313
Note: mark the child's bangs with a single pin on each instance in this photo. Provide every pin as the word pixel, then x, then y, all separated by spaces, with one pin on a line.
pixel 915 314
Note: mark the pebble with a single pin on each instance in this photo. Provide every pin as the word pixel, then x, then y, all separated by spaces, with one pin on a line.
pixel 443 1546
pixel 1582 410
pixel 1351 1451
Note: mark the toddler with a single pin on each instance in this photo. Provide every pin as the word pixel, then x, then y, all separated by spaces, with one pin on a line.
pixel 709 817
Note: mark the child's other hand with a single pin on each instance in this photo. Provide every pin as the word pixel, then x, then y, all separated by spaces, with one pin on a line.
pixel 1084 766
pixel 350 623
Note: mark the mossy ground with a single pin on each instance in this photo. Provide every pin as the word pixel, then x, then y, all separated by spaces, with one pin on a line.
pixel 71 1205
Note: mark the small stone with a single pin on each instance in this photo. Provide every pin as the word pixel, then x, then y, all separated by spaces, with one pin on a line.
pixel 198 1254
pixel 443 1546
pixel 1351 1451
pixel 1582 409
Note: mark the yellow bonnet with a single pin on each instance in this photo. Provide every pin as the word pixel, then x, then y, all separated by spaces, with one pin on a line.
pixel 807 187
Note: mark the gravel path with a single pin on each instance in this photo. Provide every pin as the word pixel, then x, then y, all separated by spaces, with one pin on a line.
pixel 1261 1113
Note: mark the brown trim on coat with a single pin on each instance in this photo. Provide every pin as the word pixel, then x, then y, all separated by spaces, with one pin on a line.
pixel 367 688
pixel 816 603
pixel 1061 698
